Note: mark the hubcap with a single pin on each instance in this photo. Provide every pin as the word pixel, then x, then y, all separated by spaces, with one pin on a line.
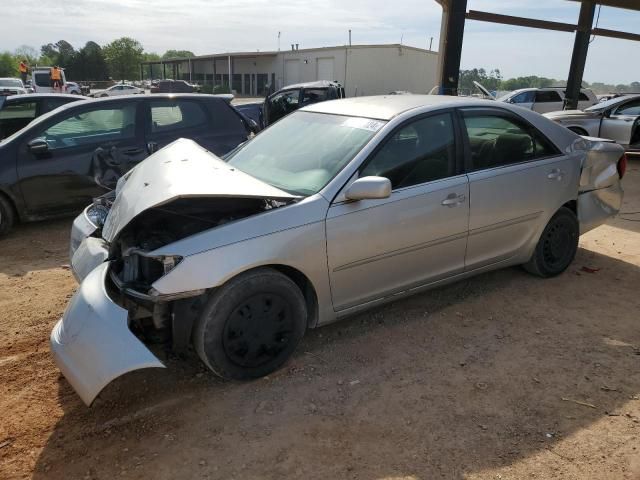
pixel 258 330
pixel 557 246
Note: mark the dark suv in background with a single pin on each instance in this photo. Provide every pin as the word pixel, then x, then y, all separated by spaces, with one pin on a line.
pixel 65 158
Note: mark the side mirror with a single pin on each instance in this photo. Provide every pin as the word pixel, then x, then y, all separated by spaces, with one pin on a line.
pixel 369 188
pixel 38 146
pixel 253 126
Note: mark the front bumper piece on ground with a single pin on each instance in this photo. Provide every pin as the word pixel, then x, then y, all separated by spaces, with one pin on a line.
pixel 92 344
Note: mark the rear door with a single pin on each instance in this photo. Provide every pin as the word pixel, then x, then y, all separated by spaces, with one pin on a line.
pixel 88 148
pixel 213 124
pixel 517 180
pixel 547 101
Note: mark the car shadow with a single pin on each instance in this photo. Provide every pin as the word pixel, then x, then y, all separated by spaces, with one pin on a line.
pixel 35 246
pixel 473 376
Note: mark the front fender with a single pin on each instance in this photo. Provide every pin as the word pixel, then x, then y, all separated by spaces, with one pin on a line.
pixel 92 344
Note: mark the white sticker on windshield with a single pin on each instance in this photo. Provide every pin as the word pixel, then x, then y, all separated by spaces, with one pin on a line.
pixel 363 124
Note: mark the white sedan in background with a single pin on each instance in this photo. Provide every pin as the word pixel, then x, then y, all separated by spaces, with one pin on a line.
pixel 120 89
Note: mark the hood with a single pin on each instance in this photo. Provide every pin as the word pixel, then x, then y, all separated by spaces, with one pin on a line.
pixel 183 169
pixel 484 91
pixel 570 115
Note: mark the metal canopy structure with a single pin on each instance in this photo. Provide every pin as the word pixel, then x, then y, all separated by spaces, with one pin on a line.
pixel 454 15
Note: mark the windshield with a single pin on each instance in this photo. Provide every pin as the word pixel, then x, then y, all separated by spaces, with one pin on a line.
pixel 10 82
pixel 301 153
pixel 608 104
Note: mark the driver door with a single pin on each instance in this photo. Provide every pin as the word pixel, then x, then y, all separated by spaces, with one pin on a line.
pixel 85 148
pixel 416 236
pixel 619 125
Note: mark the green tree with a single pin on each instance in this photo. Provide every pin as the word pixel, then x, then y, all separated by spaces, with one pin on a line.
pixel 60 53
pixel 177 54
pixel 89 64
pixel 490 80
pixel 28 53
pixel 8 65
pixel 123 57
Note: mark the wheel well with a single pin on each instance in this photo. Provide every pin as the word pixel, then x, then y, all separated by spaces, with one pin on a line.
pixel 305 286
pixel 573 206
pixel 12 205
pixel 578 130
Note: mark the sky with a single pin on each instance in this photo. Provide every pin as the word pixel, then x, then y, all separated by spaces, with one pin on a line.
pixel 214 26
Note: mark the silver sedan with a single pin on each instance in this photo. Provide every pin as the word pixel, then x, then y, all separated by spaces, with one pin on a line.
pixel 337 208
pixel 617 119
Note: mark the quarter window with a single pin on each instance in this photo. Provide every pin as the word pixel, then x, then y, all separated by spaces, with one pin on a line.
pixel 167 116
pixel 496 141
pixel 420 152
pixel 94 126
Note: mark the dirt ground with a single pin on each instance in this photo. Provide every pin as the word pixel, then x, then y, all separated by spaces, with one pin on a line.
pixel 504 376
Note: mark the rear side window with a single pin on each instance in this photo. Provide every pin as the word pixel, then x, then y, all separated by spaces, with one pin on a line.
pixel 167 116
pixel 546 96
pixel 497 141
pixel 316 95
pixel 15 116
pixel 420 152
pixel 21 110
pixel 94 126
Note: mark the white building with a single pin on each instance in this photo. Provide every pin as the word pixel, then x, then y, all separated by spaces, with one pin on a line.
pixel 361 69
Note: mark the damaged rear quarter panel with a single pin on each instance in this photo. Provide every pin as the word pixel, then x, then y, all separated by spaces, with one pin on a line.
pixel 600 191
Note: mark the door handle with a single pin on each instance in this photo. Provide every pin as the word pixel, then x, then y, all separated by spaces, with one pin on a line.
pixel 555 175
pixel 453 200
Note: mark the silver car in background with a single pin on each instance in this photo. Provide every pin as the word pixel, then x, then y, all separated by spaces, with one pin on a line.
pixel 617 119
pixel 336 208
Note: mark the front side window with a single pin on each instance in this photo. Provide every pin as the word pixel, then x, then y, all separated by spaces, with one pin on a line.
pixel 93 126
pixel 284 103
pixel 524 97
pixel 167 116
pixel 420 152
pixel 302 152
pixel 629 108
pixel 497 141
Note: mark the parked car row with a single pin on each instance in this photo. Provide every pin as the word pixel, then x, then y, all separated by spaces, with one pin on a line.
pixel 65 158
pixel 337 207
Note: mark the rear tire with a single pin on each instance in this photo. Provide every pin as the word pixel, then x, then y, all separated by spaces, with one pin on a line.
pixel 557 246
pixel 251 325
pixel 7 216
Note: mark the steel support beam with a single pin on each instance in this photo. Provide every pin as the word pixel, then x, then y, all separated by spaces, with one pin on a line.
pixel 451 48
pixel 579 56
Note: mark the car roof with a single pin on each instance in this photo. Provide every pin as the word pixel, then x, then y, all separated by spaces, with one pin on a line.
pixel 316 84
pixel 37 96
pixel 385 107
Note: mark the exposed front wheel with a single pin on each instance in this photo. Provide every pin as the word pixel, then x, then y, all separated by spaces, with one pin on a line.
pixel 557 246
pixel 251 325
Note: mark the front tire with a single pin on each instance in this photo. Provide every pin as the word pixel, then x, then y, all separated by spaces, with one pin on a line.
pixel 7 216
pixel 557 246
pixel 251 325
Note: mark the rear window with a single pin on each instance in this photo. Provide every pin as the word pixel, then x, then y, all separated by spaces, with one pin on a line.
pixel 42 79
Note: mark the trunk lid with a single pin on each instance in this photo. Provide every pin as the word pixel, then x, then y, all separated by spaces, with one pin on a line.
pixel 182 169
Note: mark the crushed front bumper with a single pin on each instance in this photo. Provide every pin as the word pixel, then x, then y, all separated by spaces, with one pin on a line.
pixel 92 344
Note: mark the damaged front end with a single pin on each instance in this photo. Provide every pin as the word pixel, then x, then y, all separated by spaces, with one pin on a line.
pixel 178 192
